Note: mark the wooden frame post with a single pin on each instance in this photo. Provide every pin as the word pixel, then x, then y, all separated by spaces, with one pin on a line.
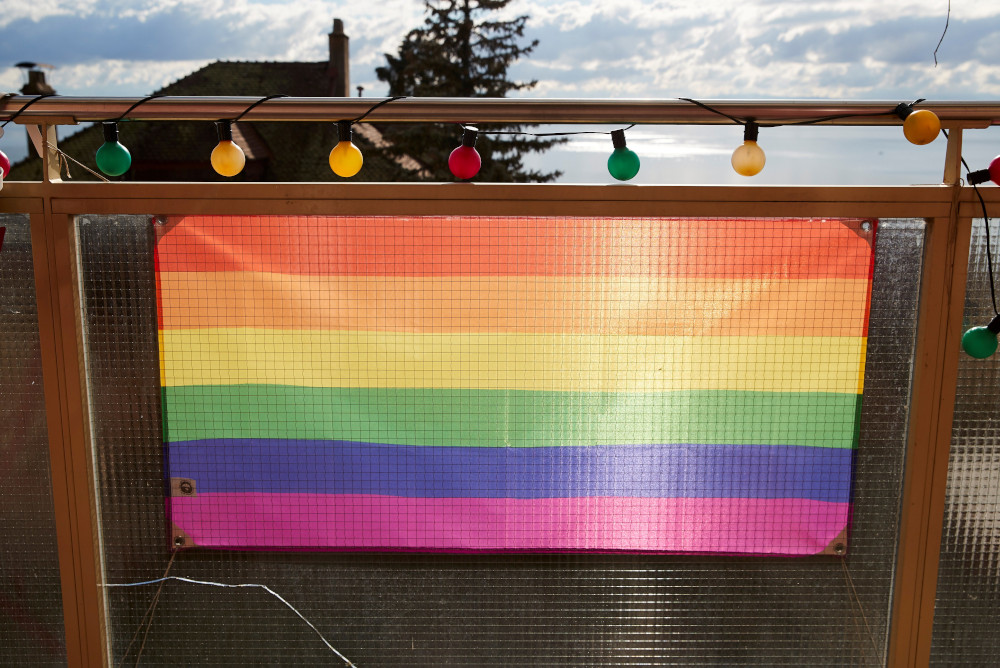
pixel 52 205
pixel 932 407
pixel 64 372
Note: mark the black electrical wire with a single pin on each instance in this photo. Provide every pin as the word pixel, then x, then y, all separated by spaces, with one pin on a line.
pixel 811 121
pixel 989 251
pixel 376 106
pixel 257 104
pixel 947 20
pixel 986 225
pixel 544 134
pixel 26 105
pixel 132 108
pixel 713 110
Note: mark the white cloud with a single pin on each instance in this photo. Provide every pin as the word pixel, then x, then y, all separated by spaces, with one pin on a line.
pixel 663 48
pixel 35 10
pixel 123 75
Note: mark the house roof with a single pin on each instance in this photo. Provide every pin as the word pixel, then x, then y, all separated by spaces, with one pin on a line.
pixel 276 151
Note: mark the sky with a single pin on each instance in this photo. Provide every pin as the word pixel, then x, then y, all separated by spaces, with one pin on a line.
pixel 604 49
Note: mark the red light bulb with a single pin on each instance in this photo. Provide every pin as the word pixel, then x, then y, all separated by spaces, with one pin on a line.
pixel 994 170
pixel 991 173
pixel 4 164
pixel 464 162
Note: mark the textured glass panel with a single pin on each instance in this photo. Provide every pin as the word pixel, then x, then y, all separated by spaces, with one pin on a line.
pixel 967 611
pixel 31 623
pixel 447 609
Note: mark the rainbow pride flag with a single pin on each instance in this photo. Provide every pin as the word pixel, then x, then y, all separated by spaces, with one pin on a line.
pixel 511 383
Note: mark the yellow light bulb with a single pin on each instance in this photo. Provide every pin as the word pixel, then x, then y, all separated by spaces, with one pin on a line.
pixel 921 127
pixel 346 159
pixel 748 159
pixel 227 157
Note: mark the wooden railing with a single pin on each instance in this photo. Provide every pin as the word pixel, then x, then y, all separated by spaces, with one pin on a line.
pixel 948 209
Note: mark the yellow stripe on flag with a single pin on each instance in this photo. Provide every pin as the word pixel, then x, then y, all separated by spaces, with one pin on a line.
pixel 497 361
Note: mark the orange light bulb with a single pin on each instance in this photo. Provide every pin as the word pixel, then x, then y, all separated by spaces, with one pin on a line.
pixel 748 159
pixel 919 127
pixel 227 157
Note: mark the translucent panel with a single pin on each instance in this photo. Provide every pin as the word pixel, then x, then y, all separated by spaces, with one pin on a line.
pixel 967 611
pixel 31 623
pixel 478 609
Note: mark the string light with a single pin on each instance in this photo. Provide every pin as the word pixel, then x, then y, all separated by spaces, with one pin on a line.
pixel 112 158
pixel 623 163
pixel 991 173
pixel 981 342
pixel 345 158
pixel 227 157
pixel 4 160
pixel 465 162
pixel 748 159
pixel 919 127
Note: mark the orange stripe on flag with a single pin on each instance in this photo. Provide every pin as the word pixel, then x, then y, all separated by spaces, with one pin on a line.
pixel 612 305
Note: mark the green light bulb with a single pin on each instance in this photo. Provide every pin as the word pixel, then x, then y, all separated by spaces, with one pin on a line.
pixel 112 158
pixel 981 342
pixel 623 164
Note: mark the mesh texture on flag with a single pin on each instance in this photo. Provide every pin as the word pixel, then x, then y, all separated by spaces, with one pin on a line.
pixel 511 383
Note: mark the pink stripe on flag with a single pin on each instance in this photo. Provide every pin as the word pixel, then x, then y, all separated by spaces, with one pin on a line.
pixel 370 522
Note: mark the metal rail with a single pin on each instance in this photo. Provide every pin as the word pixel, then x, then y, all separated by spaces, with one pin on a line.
pixel 68 110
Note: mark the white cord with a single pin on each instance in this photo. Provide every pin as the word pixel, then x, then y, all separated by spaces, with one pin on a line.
pixel 234 586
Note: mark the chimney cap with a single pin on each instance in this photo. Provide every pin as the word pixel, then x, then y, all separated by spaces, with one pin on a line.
pixel 28 65
pixel 338 27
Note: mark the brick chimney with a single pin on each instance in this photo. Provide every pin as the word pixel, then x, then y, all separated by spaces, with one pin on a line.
pixel 339 69
pixel 36 84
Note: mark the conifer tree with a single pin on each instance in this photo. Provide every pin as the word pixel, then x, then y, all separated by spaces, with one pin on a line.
pixel 462 50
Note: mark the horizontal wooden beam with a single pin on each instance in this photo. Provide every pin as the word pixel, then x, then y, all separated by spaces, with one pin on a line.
pixel 493 110
pixel 930 201
pixel 494 191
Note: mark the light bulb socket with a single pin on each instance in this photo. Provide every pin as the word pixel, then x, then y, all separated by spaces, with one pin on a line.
pixel 225 130
pixel 903 110
pixel 978 176
pixel 994 325
pixel 469 136
pixel 110 132
pixel 750 131
pixel 618 138
pixel 344 131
